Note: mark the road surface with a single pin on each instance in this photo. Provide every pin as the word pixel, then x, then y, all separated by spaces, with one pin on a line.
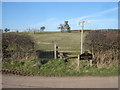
pixel 14 81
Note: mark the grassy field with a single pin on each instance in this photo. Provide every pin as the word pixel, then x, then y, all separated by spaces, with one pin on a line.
pixel 65 41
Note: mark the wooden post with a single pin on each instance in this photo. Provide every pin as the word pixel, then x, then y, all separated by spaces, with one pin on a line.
pixel 78 62
pixel 90 62
pixel 61 55
pixel 55 51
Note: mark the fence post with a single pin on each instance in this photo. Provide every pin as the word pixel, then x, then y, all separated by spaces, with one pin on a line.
pixel 90 62
pixel 55 51
pixel 78 62
pixel 61 55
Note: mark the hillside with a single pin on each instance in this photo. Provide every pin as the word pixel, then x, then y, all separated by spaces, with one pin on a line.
pixel 46 40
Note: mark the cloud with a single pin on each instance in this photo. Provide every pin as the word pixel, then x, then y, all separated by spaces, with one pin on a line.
pixel 73 20
pixel 103 23
pixel 106 11
pixel 53 23
pixel 78 18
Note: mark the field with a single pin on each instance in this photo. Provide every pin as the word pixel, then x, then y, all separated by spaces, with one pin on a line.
pixel 44 41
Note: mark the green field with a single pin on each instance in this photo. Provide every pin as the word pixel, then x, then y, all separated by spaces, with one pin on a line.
pixel 65 41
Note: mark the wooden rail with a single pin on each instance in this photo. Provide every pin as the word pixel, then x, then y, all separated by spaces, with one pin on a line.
pixel 70 51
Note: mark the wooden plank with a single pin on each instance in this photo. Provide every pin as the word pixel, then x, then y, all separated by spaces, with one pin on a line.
pixel 71 51
pixel 72 55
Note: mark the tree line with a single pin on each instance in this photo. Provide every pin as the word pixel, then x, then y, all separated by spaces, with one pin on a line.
pixel 62 27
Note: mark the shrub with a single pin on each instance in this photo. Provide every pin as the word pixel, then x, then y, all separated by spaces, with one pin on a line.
pixel 104 45
pixel 17 46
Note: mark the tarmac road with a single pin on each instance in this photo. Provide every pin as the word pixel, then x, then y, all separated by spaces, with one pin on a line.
pixel 14 81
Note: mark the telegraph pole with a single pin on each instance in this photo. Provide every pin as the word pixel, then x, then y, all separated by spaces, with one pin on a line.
pixel 82 25
pixel 81 50
pixel 82 36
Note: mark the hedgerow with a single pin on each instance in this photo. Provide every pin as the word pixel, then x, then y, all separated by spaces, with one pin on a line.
pixel 104 45
pixel 17 46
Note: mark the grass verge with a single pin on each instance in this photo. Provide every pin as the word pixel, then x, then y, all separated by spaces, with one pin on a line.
pixel 60 68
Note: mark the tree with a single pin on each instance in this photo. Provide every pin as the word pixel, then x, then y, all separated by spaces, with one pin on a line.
pixel 67 26
pixel 6 29
pixel 42 28
pixel 17 31
pixel 61 27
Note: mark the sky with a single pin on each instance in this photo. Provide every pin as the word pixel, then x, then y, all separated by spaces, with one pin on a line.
pixel 24 15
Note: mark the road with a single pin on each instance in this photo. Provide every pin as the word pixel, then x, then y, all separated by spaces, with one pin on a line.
pixel 14 81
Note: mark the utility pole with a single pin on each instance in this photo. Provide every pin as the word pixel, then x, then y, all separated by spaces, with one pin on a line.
pixel 82 36
pixel 82 25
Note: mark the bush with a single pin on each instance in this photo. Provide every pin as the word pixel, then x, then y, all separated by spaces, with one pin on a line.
pixel 17 46
pixel 104 45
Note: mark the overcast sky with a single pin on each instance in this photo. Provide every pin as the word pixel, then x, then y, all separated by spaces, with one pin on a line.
pixel 24 15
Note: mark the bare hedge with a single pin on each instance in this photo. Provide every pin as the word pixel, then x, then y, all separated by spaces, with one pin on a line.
pixel 17 46
pixel 105 46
